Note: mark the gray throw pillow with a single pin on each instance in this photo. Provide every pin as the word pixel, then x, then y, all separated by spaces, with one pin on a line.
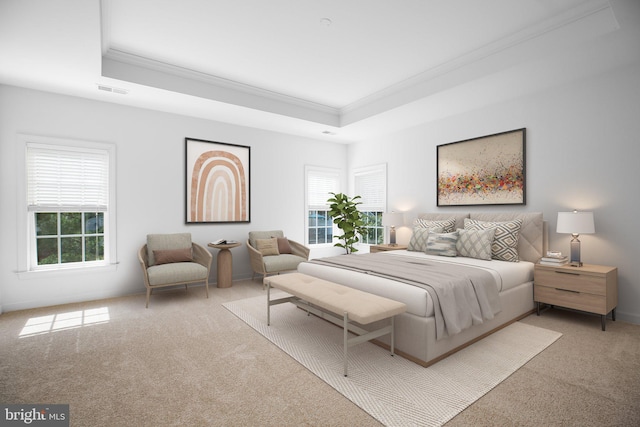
pixel 475 243
pixel 443 244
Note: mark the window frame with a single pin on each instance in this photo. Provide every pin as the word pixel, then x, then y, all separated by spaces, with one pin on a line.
pixel 60 235
pixel 377 204
pixel 328 172
pixel 27 248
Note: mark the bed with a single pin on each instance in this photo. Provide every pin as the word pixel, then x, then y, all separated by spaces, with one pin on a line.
pixel 419 332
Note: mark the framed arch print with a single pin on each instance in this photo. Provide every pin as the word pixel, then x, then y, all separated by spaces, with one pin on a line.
pixel 218 187
pixel 488 170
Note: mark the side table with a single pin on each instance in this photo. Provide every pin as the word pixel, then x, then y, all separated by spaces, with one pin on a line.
pixel 590 288
pixel 225 263
pixel 386 247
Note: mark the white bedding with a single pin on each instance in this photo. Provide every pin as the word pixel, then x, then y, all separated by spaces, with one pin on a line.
pixel 507 274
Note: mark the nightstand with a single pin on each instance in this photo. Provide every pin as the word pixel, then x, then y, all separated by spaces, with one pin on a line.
pixel 590 288
pixel 386 247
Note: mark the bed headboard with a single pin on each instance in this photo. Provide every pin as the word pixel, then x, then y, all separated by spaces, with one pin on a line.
pixel 532 239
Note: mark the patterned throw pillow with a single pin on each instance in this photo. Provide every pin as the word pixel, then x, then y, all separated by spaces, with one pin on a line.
pixel 447 225
pixel 418 240
pixel 443 244
pixel 475 243
pixel 505 240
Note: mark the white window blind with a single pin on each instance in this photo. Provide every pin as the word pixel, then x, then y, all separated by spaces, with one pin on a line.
pixel 371 185
pixel 67 178
pixel 319 184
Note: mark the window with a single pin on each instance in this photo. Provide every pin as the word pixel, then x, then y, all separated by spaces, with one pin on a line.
pixel 370 183
pixel 65 237
pixel 319 183
pixel 69 201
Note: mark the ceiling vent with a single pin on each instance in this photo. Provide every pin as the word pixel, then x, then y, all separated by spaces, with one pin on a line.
pixel 113 89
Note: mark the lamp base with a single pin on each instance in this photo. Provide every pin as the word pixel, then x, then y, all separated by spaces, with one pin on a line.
pixel 575 252
pixel 392 237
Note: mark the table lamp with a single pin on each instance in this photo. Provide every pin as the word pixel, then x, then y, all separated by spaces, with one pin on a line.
pixel 575 223
pixel 392 219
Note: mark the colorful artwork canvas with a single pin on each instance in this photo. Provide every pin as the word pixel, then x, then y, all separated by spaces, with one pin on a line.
pixel 488 170
pixel 217 182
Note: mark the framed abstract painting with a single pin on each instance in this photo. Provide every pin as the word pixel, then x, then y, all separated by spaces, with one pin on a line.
pixel 488 170
pixel 217 182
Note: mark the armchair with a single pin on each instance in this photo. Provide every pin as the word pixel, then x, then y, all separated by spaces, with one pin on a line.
pixel 267 260
pixel 172 259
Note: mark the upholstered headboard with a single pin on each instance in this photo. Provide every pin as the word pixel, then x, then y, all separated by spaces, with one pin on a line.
pixel 531 240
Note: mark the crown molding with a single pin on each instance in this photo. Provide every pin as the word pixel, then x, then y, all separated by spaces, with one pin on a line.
pixel 130 67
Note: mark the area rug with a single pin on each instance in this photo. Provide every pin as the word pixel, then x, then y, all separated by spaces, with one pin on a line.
pixel 394 390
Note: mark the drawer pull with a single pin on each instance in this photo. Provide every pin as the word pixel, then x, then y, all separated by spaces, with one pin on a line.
pixel 568 272
pixel 567 290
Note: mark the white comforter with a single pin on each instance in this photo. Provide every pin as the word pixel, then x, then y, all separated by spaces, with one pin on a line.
pixel 419 303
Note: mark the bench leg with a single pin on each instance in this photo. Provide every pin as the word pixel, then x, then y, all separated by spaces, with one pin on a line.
pixel 268 303
pixel 392 336
pixel 346 340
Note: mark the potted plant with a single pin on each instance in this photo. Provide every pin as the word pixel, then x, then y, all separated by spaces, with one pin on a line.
pixel 347 217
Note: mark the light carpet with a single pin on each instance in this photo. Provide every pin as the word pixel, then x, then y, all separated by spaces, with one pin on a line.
pixel 394 390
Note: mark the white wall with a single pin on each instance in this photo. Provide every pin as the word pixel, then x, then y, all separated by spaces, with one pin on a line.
pixel 582 152
pixel 150 186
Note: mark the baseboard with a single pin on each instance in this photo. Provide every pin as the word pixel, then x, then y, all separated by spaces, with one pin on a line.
pixel 628 317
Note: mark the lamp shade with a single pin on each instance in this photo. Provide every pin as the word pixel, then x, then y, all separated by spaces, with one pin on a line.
pixel 575 223
pixel 392 219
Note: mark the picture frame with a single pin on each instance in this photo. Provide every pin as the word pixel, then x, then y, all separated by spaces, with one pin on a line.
pixel 487 170
pixel 217 182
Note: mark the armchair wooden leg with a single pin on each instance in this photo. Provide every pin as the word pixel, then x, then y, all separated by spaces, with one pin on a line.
pixel 148 293
pixel 206 286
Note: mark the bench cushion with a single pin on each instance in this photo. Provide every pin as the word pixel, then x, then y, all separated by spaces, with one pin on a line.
pixel 362 307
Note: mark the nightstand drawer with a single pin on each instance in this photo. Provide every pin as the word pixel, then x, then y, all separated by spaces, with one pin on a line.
pixel 571 299
pixel 580 282
pixel 385 248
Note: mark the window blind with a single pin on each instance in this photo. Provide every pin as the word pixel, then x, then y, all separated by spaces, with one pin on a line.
pixel 371 186
pixel 67 179
pixel 319 185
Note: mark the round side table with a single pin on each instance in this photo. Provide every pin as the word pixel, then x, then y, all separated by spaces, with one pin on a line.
pixel 225 263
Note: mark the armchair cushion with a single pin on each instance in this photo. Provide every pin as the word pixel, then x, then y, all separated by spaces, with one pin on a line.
pixel 177 272
pixel 267 246
pixel 254 235
pixel 168 256
pixel 282 262
pixel 290 253
pixel 161 242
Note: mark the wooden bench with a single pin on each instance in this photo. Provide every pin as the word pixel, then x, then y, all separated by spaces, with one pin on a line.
pixel 327 299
